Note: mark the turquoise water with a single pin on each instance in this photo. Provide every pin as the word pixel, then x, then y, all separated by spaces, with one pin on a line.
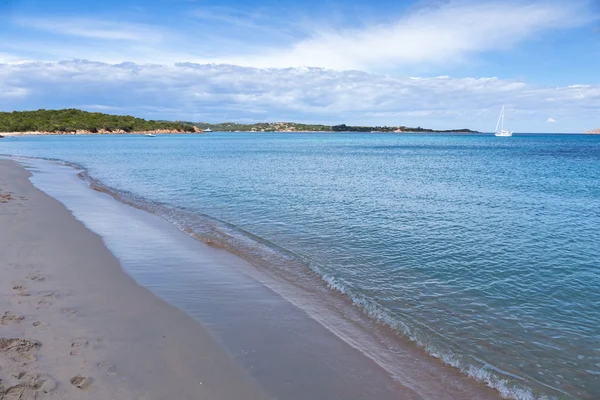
pixel 483 251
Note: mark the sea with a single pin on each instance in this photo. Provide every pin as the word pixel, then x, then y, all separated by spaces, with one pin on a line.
pixel 482 253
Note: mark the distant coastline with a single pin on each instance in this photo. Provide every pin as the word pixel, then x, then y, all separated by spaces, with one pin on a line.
pixel 594 131
pixel 72 122
pixel 77 122
pixel 299 127
pixel 93 132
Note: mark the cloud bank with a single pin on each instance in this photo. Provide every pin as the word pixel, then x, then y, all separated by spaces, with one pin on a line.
pixel 446 32
pixel 215 93
pixel 439 34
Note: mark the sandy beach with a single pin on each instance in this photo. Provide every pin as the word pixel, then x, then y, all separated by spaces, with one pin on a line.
pixel 104 300
pixel 75 326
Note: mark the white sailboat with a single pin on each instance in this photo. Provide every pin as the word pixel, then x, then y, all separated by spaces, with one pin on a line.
pixel 500 124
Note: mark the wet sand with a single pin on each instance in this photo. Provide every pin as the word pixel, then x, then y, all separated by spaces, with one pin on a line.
pixel 131 344
pixel 75 326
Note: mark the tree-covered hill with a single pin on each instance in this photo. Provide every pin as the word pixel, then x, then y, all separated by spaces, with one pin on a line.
pixel 263 127
pixel 296 127
pixel 72 120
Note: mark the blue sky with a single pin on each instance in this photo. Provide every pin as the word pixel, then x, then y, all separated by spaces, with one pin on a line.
pixel 440 64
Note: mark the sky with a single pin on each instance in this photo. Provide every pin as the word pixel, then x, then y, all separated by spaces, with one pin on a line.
pixel 437 64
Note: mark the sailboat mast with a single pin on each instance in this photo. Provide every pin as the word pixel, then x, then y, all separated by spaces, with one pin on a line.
pixel 500 119
pixel 500 125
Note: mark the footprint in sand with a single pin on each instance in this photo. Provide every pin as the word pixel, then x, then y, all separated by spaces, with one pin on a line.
pixel 10 318
pixel 18 349
pixel 6 197
pixel 21 290
pixel 17 392
pixel 107 368
pixel 80 381
pixel 71 313
pixel 18 345
pixel 78 345
pixel 43 304
pixel 44 383
pixel 39 324
pixel 36 277
pixel 48 293
pixel 27 387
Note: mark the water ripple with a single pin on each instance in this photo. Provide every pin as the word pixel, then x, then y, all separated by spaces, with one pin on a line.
pixel 484 253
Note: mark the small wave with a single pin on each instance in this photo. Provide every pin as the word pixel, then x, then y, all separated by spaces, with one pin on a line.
pixel 265 254
pixel 506 388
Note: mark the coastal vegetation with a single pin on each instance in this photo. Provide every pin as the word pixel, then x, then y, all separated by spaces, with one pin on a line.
pixel 296 127
pixel 73 120
pixel 77 121
pixel 263 127
pixel 345 128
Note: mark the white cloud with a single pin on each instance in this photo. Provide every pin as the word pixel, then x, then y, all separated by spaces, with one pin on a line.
pixel 11 93
pixel 446 33
pixel 225 92
pixel 551 120
pixel 94 28
pixel 7 57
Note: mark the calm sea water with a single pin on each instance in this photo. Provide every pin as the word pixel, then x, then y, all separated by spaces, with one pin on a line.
pixel 484 251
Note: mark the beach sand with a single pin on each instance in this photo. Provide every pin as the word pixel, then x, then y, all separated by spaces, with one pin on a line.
pixel 75 326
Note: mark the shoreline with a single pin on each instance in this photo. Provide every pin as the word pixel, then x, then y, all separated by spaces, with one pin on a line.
pixel 75 325
pixel 99 165
pixel 412 383
pixel 199 131
pixel 100 132
pixel 329 304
